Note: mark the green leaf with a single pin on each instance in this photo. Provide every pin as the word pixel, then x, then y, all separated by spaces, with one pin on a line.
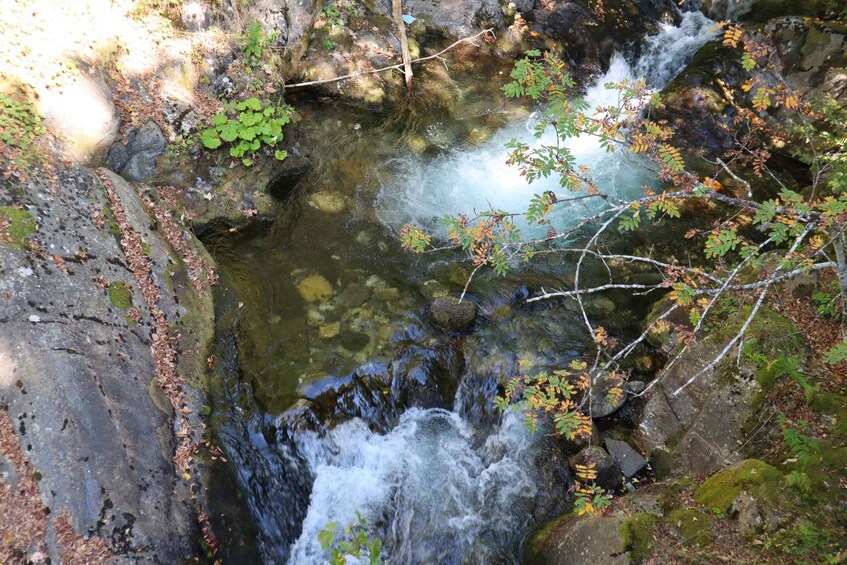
pixel 327 536
pixel 280 154
pixel 219 119
pixel 209 139
pixel 228 131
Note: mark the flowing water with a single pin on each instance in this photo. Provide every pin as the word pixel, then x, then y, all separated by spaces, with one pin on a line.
pixel 352 402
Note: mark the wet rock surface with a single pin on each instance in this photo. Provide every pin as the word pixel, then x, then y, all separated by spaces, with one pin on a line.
pixel 453 315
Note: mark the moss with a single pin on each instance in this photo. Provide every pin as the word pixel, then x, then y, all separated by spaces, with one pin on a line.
pixel 828 403
pixel 693 526
pixel 662 462
pixel 721 488
pixel 537 541
pixel 637 535
pixel 120 295
pixel 21 226
pixel 669 499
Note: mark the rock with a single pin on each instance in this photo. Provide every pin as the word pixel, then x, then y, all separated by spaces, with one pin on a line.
pixel 603 401
pixel 83 111
pixel 608 471
pixel 634 388
pixel 753 517
pixel 578 540
pixel 432 289
pixel 426 377
pixel 453 315
pixel 196 16
pixel 96 430
pixel 387 294
pixel 703 425
pixel 631 462
pixel 327 201
pixel 459 17
pixel 579 442
pixel 329 331
pixel 721 489
pixel 354 341
pixel 314 287
pixel 136 160
pixel 354 295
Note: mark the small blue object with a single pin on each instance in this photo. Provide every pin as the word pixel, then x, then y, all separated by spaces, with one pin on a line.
pixel 408 19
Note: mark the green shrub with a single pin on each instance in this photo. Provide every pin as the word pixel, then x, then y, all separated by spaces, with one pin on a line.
pixel 247 127
pixel 256 41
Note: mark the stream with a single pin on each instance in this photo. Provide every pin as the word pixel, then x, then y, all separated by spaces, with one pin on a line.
pixel 338 395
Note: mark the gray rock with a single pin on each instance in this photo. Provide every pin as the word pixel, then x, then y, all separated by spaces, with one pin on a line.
pixel 631 462
pixel 608 470
pixel 97 429
pixel 459 17
pixel 136 161
pixel 354 295
pixel 702 426
pixel 583 540
pixel 602 403
pixel 452 315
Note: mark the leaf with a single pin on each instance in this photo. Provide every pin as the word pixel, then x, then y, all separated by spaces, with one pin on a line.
pixel 228 131
pixel 280 154
pixel 219 119
pixel 209 138
pixel 327 536
pixel 247 162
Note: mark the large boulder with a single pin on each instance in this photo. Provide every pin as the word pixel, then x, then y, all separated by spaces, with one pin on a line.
pixel 703 424
pixel 76 369
pixel 592 540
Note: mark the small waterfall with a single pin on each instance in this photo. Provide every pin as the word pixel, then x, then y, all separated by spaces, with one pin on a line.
pixel 476 179
pixel 438 485
pixel 437 496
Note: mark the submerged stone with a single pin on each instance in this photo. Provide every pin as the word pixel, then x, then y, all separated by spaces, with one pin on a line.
pixel 328 201
pixel 451 314
pixel 314 287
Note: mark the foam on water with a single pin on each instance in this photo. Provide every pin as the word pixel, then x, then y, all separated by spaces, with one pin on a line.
pixel 468 181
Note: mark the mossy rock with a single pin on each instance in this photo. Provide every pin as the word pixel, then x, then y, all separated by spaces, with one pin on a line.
pixel 669 499
pixel 452 314
pixel 693 526
pixel 120 295
pixel 16 225
pixel 637 535
pixel 720 489
pixel 829 403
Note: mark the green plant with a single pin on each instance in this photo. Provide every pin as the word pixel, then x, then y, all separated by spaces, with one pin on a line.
pixel 329 44
pixel 20 129
pixel 256 42
pixel 802 446
pixel 355 543
pixel 247 127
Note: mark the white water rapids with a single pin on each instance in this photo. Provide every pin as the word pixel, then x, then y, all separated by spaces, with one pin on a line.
pixel 440 493
pixel 471 180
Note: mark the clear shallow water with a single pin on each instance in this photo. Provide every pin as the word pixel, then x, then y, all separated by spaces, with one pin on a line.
pixel 441 479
